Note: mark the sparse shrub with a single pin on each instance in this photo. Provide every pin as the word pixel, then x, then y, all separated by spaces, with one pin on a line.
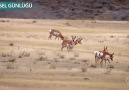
pixel 49 62
pixel 62 56
pixel 30 69
pixel 53 66
pixel 24 54
pixel 111 66
pixel 67 24
pixel 100 41
pixel 112 36
pixel 12 59
pixel 41 53
pixel 71 58
pixel 2 21
pixel 77 62
pixel 84 69
pixel 93 65
pixel 42 58
pixel 11 44
pixel 19 56
pixel 55 59
pixel 127 36
pixel 86 78
pixel 76 54
pixel 86 61
pixel 7 21
pixel 6 55
pixel 10 66
pixel 127 69
pixel 34 21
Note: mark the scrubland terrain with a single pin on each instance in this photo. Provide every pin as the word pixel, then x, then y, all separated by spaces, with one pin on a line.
pixel 30 61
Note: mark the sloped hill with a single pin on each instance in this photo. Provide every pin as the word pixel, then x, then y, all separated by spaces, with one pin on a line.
pixel 72 9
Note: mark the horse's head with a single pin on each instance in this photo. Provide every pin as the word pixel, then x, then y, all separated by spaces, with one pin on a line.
pixel 73 38
pixel 79 40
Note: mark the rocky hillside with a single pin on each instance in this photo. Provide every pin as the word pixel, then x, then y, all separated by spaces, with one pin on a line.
pixel 72 9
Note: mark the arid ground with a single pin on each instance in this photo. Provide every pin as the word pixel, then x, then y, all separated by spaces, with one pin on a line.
pixel 31 61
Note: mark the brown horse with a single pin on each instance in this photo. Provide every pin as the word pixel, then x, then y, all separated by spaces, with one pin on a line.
pixel 106 56
pixel 99 54
pixel 55 33
pixel 69 44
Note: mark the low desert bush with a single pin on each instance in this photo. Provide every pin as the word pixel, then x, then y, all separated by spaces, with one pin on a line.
pixel 71 58
pixel 111 66
pixel 61 56
pixel 84 69
pixel 93 65
pixel 24 54
pixel 10 66
pixel 42 58
pixel 11 44
pixel 52 66
pixel 6 54
pixel 76 54
pixel 12 60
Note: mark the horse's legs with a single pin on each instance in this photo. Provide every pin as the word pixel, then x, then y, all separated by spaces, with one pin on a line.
pixel 55 37
pixel 96 61
pixel 105 62
pixel 62 47
pixel 101 62
pixel 109 61
pixel 50 36
pixel 58 38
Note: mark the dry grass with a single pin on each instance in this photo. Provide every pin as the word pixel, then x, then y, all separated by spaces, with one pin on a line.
pixel 111 66
pixel 12 60
pixel 127 69
pixel 84 69
pixel 41 52
pixel 41 58
pixel 10 67
pixel 24 54
pixel 112 36
pixel 6 54
pixel 2 21
pixel 34 21
pixel 76 54
pixel 71 58
pixel 61 56
pixel 53 66
pixel 55 59
pixel 93 66
pixel 127 36
pixel 86 78
pixel 11 44
pixel 51 69
pixel 86 61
